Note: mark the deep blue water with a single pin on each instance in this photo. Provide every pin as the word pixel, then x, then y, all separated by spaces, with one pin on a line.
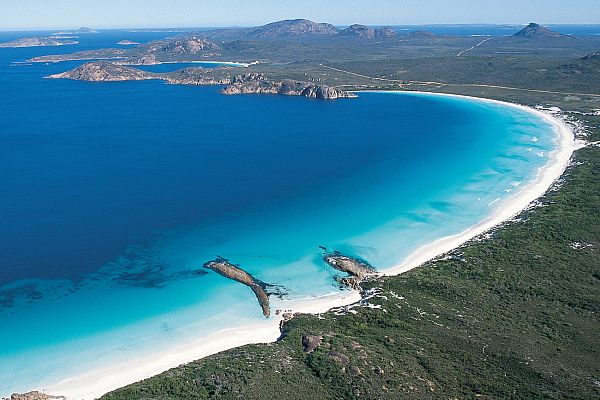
pixel 114 194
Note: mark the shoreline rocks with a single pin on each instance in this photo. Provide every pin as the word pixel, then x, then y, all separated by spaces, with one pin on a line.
pixel 356 268
pixel 224 268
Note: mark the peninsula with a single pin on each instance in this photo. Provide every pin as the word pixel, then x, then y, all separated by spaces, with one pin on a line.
pixel 249 83
pixel 38 42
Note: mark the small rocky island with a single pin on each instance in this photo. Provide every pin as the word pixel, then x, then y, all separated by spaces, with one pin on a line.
pixel 127 43
pixel 38 42
pixel 357 269
pixel 225 268
pixel 249 83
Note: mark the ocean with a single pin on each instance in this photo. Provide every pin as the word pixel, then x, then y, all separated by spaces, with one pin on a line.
pixel 115 194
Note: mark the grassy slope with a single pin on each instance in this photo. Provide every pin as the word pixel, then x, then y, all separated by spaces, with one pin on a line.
pixel 516 315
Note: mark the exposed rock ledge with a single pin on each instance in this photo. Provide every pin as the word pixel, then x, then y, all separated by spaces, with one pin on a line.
pixel 357 269
pixel 225 268
pixel 288 88
pixel 253 82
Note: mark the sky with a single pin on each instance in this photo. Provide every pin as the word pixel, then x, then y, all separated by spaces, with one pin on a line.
pixel 39 14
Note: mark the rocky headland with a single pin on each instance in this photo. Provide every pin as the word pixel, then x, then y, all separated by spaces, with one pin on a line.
pixel 225 268
pixel 357 269
pixel 248 83
pixel 288 88
pixel 37 42
pixel 103 71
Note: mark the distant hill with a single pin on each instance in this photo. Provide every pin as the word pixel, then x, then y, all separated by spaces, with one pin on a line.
pixel 291 28
pixel 84 29
pixel 536 31
pixel 183 48
pixel 81 30
pixel 365 32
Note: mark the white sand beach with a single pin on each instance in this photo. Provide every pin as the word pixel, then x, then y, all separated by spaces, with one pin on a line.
pixel 93 384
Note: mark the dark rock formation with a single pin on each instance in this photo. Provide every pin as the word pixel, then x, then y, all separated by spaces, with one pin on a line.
pixel 311 342
pixel 357 269
pixel 352 266
pixel 536 31
pixel 225 268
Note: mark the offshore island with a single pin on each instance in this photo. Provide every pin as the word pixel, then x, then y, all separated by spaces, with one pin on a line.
pixel 393 340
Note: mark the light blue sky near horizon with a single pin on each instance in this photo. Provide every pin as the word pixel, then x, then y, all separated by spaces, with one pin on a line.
pixel 40 14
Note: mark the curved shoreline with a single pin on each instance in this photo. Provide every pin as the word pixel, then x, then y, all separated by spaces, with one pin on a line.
pixel 508 207
pixel 98 382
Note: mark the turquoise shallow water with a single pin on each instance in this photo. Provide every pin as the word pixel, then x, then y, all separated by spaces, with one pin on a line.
pixel 115 194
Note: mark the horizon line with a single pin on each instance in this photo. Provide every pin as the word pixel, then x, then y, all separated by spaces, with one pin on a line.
pixel 186 27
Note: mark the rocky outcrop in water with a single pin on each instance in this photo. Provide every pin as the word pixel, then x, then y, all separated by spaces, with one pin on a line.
pixel 356 268
pixel 225 268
